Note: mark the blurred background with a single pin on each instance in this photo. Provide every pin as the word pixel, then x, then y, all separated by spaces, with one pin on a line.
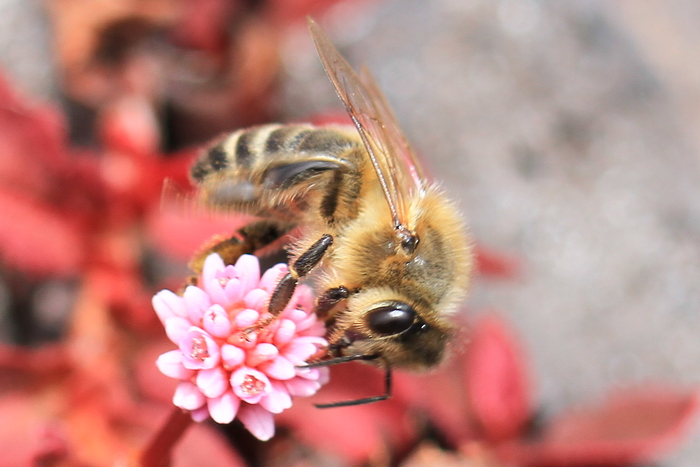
pixel 567 131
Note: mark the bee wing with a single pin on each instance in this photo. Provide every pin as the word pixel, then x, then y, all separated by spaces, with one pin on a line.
pixel 409 164
pixel 390 154
pixel 188 203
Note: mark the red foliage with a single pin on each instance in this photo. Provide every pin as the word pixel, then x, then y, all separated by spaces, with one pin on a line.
pixel 96 397
pixel 495 264
pixel 24 244
pixel 630 426
pixel 497 382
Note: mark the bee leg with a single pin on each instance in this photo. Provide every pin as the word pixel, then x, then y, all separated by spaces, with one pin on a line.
pixel 330 299
pixel 300 268
pixel 246 240
pixel 365 400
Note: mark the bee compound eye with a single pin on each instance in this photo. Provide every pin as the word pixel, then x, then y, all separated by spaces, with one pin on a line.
pixel 391 318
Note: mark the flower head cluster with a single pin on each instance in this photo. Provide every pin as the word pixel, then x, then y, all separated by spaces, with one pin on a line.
pixel 233 359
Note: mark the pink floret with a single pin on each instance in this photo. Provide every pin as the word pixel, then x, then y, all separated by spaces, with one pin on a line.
pixel 233 360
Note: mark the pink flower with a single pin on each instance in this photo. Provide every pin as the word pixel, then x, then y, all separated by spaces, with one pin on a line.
pixel 233 359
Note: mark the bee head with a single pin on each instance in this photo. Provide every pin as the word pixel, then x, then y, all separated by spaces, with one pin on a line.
pixel 392 331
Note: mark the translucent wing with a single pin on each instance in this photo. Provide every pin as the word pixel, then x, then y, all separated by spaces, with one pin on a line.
pixel 390 154
pixel 396 139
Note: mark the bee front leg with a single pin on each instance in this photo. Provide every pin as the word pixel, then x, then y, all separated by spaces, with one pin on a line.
pixel 329 299
pixel 300 268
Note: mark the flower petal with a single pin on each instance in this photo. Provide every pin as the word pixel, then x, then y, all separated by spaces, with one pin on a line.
pixel 200 414
pixel 216 322
pixel 197 302
pixel 272 276
pixel 299 351
pixel 170 364
pixel 295 315
pixel 216 293
pixel 262 352
pixel 306 323
pixel 167 305
pixel 199 350
pixel 278 400
pixel 243 339
pixel 234 291
pixel 258 421
pixel 250 384
pixel 212 264
pixel 308 373
pixel 223 409
pixel 176 328
pixel 188 397
pixel 212 382
pixel 246 318
pixel 285 333
pixel 279 368
pixel 324 375
pixel 303 299
pixel 302 387
pixel 248 269
pixel 256 299
pixel 232 356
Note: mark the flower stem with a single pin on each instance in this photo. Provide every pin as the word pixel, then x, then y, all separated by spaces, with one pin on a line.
pixel 157 452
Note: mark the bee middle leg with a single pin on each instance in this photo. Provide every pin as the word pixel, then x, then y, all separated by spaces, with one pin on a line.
pixel 365 400
pixel 300 268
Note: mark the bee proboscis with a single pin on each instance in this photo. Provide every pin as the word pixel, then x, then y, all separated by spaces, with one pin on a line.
pixel 387 249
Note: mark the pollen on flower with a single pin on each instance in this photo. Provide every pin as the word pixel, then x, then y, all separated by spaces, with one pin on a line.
pixel 199 349
pixel 252 386
pixel 223 281
pixel 235 360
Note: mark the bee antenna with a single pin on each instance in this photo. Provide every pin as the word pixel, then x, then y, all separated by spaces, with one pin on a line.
pixel 409 240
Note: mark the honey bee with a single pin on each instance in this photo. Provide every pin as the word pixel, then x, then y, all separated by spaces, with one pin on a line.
pixel 389 252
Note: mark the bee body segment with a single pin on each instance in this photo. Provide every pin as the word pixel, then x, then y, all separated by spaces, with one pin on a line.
pixel 288 172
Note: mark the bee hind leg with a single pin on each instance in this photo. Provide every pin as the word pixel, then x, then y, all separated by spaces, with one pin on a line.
pixel 247 240
pixel 300 268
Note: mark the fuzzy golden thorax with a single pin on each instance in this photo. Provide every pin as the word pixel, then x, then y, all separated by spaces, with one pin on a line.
pixel 370 261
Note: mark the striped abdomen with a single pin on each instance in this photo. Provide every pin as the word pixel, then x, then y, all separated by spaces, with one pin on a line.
pixel 283 171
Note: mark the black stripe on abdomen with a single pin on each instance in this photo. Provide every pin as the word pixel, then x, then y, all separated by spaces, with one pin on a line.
pixel 278 139
pixel 325 141
pixel 217 158
pixel 244 155
pixel 329 203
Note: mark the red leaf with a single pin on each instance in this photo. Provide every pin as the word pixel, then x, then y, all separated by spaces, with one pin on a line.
pixel 203 445
pixel 129 125
pixel 32 144
pixel 204 24
pixel 440 394
pixel 22 439
pixel 151 382
pixel 497 382
pixel 36 239
pixel 630 427
pixel 288 11
pixel 354 434
pixel 44 362
pixel 495 264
